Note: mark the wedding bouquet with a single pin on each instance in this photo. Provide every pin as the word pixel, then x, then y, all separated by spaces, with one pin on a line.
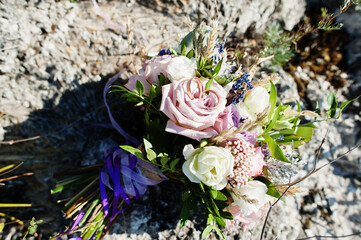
pixel 209 124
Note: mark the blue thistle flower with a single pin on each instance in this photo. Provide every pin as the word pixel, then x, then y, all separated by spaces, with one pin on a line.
pixel 164 52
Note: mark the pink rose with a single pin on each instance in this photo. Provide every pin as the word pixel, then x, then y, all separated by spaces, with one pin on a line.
pixel 247 222
pixel 156 66
pixel 228 119
pixel 191 109
pixel 132 83
pixel 150 72
pixel 257 163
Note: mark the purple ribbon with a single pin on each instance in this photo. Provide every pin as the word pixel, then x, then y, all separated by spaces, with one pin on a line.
pixel 128 138
pixel 123 169
pixel 75 224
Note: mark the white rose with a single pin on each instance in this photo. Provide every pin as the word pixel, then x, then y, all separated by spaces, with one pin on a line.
pixel 254 103
pixel 251 197
pixel 210 165
pixel 181 67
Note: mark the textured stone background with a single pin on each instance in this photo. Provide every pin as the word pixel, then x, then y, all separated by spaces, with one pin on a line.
pixel 55 58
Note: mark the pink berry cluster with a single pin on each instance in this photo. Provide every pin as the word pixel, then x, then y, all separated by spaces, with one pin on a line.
pixel 243 153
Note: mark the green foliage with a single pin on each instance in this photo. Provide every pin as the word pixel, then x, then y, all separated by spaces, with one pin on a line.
pixel 275 150
pixel 206 68
pixel 33 226
pixel 213 201
pixel 278 43
pixel 332 102
pixel 326 22
pixel 327 19
pixel 272 190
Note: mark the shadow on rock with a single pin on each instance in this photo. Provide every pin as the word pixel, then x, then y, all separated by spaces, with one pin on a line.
pixel 72 134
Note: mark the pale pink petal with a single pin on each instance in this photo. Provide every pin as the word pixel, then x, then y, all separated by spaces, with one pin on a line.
pixel 257 163
pixel 132 83
pixel 194 134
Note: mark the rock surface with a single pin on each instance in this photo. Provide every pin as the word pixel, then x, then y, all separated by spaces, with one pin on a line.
pixel 55 58
pixel 235 17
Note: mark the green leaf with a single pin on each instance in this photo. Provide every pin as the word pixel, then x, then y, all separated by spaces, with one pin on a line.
pixel 299 106
pixel 206 74
pixel 343 105
pixel 164 160
pixel 275 150
pixel 186 195
pixel 209 84
pixel 218 67
pixel 332 102
pixel 190 54
pixel 151 155
pixel 305 133
pixel 135 151
pixel 209 218
pixel 226 215
pixel 202 187
pixel 140 88
pixel 317 111
pixel 174 163
pixel 146 117
pixel 272 99
pixel 272 190
pixel 207 230
pixel 172 51
pixel 220 221
pixel 139 103
pixel 274 119
pixel 183 48
pixel 184 213
pixel 311 125
pixel 161 79
pixel 218 195
pixel 220 233
pixel 285 124
pixel 152 93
